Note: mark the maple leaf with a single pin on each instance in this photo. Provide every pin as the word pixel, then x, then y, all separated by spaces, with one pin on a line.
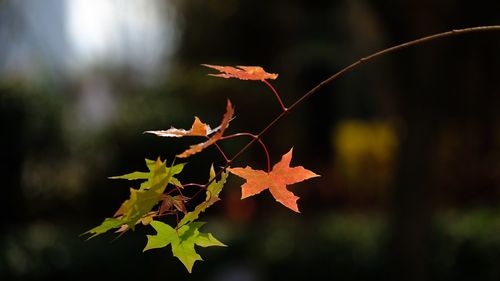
pixel 145 220
pixel 212 196
pixel 182 241
pixel 276 181
pixel 150 176
pixel 144 199
pixel 105 226
pixel 199 129
pixel 242 72
pixel 170 202
pixel 138 207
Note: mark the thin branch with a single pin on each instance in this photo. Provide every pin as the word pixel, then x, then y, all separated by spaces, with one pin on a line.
pixel 221 152
pixel 349 68
pixel 399 47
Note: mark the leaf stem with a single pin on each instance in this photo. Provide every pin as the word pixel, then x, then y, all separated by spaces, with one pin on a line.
pixel 283 107
pixel 255 137
pixel 179 190
pixel 194 184
pixel 351 67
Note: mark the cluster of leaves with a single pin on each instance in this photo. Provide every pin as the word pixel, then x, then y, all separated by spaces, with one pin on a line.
pixel 160 193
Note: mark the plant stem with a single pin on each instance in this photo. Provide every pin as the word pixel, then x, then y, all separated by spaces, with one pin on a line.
pixel 283 107
pixel 202 186
pixel 255 137
pixel 349 68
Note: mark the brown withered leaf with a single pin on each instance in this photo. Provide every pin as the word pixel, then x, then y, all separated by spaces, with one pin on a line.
pixel 171 202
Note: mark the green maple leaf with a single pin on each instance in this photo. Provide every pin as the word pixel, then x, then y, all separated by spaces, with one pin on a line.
pixel 213 191
pixel 107 224
pixel 182 241
pixel 132 176
pixel 141 200
pixel 151 164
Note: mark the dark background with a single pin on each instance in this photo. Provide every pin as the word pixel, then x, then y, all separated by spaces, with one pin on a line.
pixel 408 146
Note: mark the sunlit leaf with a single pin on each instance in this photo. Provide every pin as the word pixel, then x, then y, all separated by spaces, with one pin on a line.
pixel 149 176
pixel 199 129
pixel 182 241
pixel 212 196
pixel 242 72
pixel 132 176
pixel 106 225
pixel 138 207
pixel 276 181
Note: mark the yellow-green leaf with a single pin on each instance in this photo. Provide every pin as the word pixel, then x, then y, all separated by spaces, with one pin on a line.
pixel 212 196
pixel 141 200
pixel 149 177
pixel 107 224
pixel 182 241
pixel 132 176
pixel 165 235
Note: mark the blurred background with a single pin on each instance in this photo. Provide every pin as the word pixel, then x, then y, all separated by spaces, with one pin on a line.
pixel 408 146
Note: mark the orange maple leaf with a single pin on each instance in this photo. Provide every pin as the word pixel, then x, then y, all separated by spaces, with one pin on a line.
pixel 242 72
pixel 277 180
pixel 199 129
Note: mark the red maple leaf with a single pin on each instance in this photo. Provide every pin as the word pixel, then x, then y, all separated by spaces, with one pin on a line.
pixel 242 72
pixel 277 180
